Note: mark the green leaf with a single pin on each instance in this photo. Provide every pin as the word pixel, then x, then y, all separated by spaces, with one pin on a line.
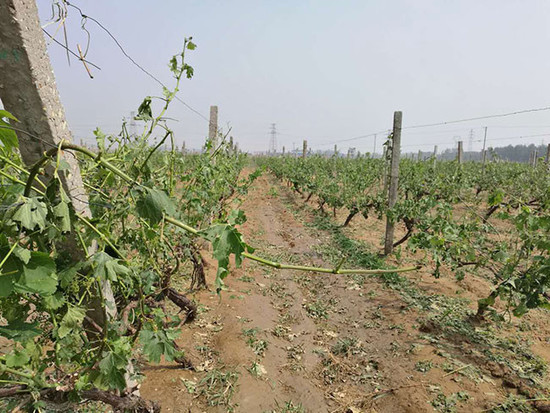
pixel 8 137
pixel 18 330
pixel 23 254
pixel 226 240
pixel 71 320
pixel 153 204
pixel 236 217
pixel 17 358
pixel 107 267
pixel 67 275
pixel 10 271
pixel 113 365
pixel 189 71
pixel 112 368
pixel 148 280
pixel 6 284
pixel 54 302
pixel 100 139
pixel 158 343
pixel 173 65
pixel 38 275
pixel 7 115
pixel 144 111
pixel 496 197
pixel 167 93
pixel 520 310
pixel 62 212
pixel 31 212
pixel 489 301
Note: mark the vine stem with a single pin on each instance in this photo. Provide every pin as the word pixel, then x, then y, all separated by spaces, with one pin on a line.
pixel 8 254
pixel 100 234
pixel 14 382
pixel 108 165
pixel 20 169
pixel 12 178
pixel 79 216
pixel 18 373
pixel 281 266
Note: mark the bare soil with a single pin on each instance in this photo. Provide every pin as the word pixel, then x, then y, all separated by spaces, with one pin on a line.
pixel 288 341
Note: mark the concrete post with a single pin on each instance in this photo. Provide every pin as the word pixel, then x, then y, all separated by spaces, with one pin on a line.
pixel 385 166
pixel 304 149
pixel 459 152
pixel 213 128
pixel 28 90
pixel 394 179
pixel 534 156
pixel 484 152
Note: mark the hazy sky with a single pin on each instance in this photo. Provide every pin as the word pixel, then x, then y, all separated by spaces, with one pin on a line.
pixel 321 70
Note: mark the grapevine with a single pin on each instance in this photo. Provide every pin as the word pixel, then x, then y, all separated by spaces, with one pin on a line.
pixel 150 209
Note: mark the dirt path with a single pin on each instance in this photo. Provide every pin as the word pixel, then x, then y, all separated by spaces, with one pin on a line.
pixel 284 341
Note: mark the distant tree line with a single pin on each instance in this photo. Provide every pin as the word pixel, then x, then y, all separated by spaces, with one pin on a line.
pixel 514 153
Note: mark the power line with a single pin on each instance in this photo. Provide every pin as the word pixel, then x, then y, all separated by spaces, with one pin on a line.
pixel 433 143
pixel 519 137
pixel 355 138
pixel 518 126
pixel 69 50
pixel 479 140
pixel 519 112
pixel 84 16
pixel 443 131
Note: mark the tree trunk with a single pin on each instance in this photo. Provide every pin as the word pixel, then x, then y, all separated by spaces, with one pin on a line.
pixel 409 223
pixel 127 403
pixel 490 212
pixel 352 213
pixel 198 279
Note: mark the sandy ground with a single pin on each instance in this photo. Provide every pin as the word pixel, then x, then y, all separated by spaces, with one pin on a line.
pixel 322 343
